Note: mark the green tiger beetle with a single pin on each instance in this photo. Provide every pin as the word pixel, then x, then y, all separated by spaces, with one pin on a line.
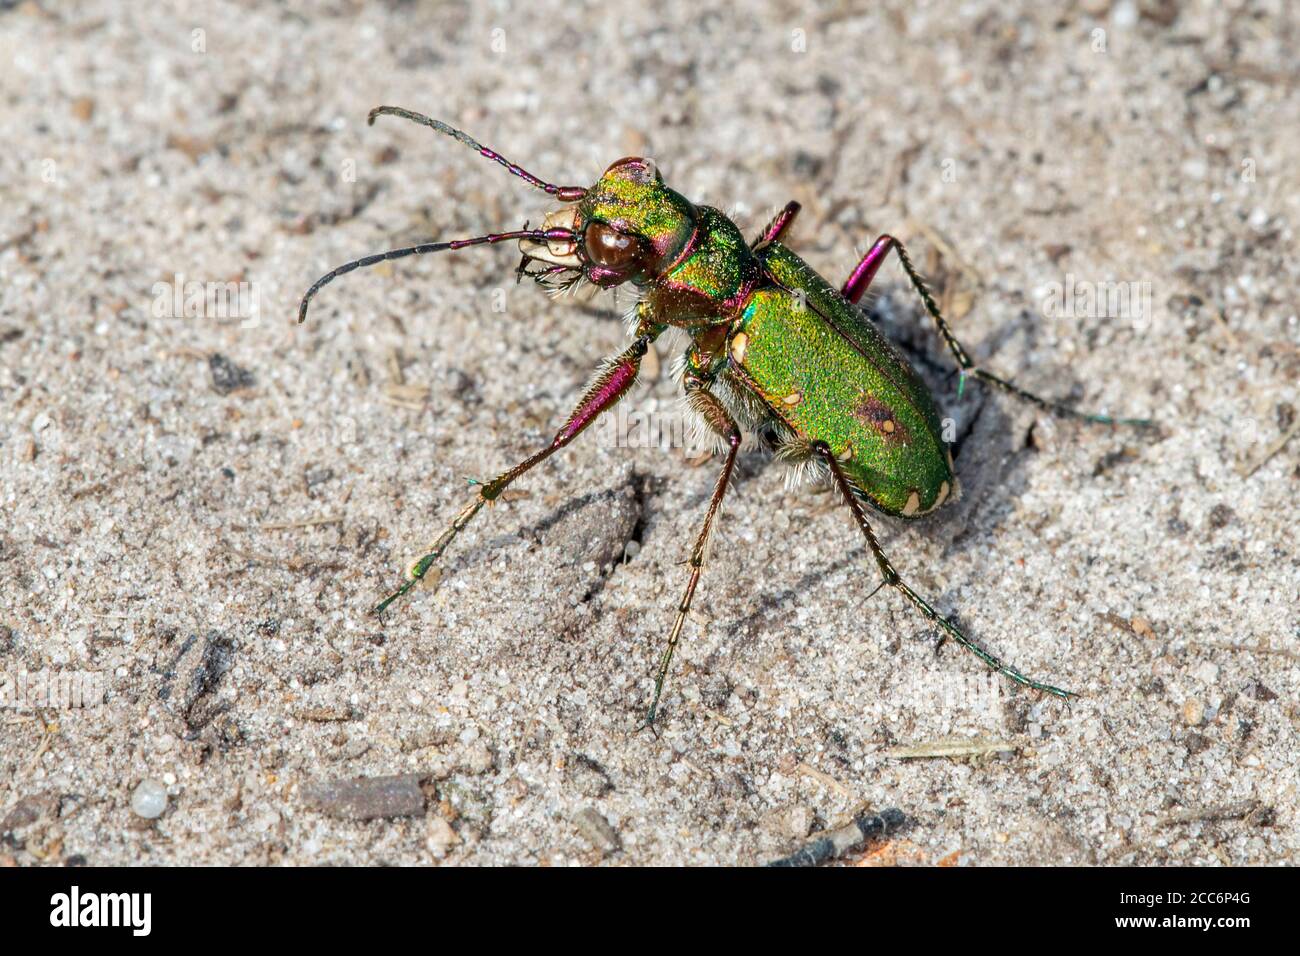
pixel 773 347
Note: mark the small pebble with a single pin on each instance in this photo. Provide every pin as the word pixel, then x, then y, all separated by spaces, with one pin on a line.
pixel 441 836
pixel 149 799
pixel 1193 712
pixel 227 376
pixel 801 822
pixel 478 759
pixel 597 830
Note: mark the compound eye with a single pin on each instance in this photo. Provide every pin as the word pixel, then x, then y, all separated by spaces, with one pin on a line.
pixel 608 247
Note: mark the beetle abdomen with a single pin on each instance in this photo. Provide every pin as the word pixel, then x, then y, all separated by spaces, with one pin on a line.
pixel 832 377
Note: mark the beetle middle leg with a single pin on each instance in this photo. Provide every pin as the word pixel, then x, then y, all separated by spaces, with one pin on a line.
pixel 890 577
pixel 715 415
pixel 610 385
pixel 778 226
pixel 865 271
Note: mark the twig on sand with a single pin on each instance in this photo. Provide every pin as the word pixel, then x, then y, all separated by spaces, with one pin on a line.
pixel 1248 469
pixel 954 747
pixel 1229 811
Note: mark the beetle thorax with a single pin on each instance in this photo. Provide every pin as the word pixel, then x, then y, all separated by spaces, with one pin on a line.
pixel 711 279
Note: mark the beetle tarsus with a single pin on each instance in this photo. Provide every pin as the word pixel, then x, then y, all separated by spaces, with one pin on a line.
pixel 890 577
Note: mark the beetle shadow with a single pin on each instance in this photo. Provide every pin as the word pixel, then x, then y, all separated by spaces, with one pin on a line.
pixel 535 532
pixel 991 451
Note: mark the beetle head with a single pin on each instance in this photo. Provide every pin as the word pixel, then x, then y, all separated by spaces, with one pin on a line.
pixel 628 227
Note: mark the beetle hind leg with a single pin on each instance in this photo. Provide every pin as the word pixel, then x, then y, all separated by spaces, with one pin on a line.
pixel 866 270
pixel 891 578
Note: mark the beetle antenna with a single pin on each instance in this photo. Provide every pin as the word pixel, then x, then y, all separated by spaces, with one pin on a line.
pixel 563 193
pixel 538 235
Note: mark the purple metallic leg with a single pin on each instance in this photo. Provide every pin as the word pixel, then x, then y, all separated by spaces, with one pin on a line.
pixel 777 227
pixel 866 270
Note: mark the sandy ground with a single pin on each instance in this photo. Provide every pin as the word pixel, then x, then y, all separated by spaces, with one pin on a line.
pixel 202 502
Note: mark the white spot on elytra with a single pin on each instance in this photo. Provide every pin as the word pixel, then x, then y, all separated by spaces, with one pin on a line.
pixel 739 343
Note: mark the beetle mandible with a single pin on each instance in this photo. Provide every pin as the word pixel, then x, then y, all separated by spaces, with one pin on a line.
pixel 773 346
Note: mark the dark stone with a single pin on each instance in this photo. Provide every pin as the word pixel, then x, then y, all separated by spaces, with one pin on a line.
pixel 226 375
pixel 28 810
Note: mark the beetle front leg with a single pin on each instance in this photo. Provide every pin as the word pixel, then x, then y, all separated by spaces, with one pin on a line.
pixel 719 421
pixel 890 577
pixel 611 384
pixel 866 270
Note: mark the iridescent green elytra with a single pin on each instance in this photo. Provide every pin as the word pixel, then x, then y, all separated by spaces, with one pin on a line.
pixel 832 377
pixel 774 348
